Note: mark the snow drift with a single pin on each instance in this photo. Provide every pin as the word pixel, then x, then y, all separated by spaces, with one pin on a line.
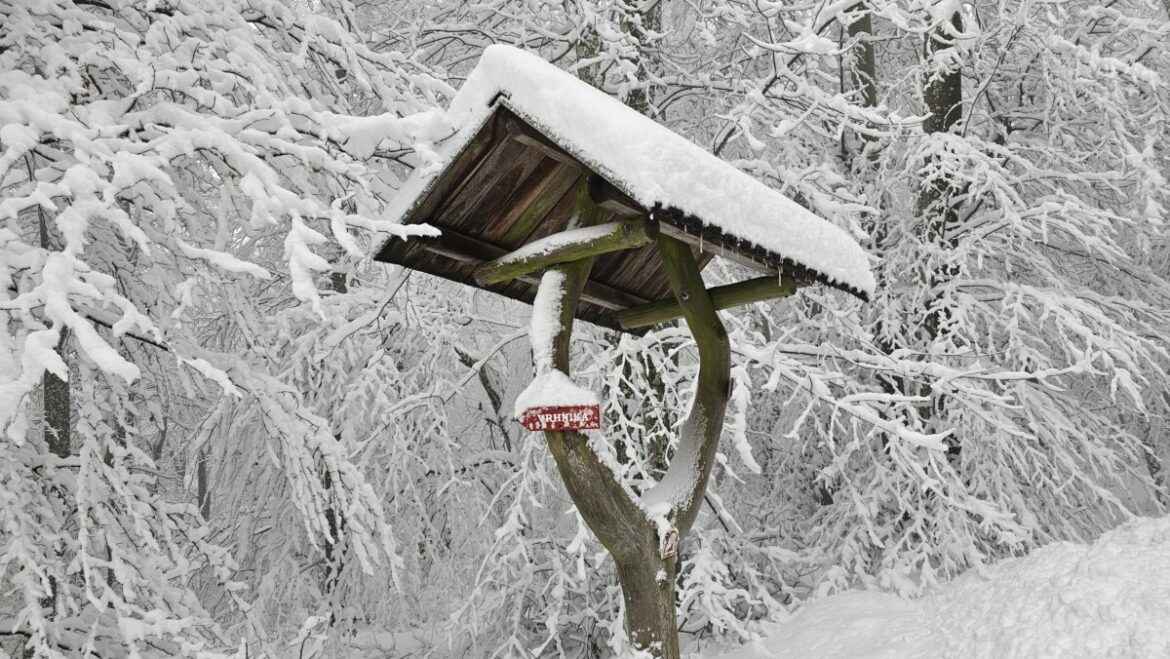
pixel 1107 599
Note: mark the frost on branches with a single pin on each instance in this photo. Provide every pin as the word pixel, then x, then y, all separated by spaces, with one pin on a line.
pixel 1006 388
pixel 169 173
pixel 255 420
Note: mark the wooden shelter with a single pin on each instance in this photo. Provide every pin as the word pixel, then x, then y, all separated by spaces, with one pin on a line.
pixel 546 174
pixel 512 184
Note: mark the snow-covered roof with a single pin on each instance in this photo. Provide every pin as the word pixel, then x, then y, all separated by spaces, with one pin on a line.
pixel 659 169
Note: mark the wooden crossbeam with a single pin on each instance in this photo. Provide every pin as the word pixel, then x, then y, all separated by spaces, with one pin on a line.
pixel 566 246
pixel 724 297
pixel 468 249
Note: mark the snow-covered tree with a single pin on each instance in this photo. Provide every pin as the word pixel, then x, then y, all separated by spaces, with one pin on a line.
pixel 1007 165
pixel 1013 220
pixel 171 173
pixel 207 446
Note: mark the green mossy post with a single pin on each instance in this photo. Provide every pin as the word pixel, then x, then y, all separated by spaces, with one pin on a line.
pixel 647 576
pixel 704 423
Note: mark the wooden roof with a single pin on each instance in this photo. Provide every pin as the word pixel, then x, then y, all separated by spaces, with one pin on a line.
pixel 512 185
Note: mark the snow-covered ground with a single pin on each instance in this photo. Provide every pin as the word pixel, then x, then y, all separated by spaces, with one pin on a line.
pixel 1107 599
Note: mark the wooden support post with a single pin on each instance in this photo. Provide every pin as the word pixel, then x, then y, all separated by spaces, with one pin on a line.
pixel 686 479
pixel 651 620
pixel 646 569
pixel 615 519
pixel 723 297
pixel 566 247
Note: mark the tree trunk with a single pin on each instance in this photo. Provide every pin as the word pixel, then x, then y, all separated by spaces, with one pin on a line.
pixel 57 404
pixel 58 407
pixel 862 75
pixel 942 93
pixel 202 485
pixel 864 62
pixel 648 590
pixel 56 401
pixel 333 519
pixel 647 22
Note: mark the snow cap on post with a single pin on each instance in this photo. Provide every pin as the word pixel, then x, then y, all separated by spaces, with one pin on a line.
pixel 552 401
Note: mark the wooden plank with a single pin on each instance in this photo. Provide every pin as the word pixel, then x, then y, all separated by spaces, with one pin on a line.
pixel 557 218
pixel 462 167
pixel 499 212
pixel 481 199
pixel 530 212
pixel 630 270
pixel 724 297
pixel 567 246
pixel 640 270
pixel 598 315
pixel 459 247
pixel 602 192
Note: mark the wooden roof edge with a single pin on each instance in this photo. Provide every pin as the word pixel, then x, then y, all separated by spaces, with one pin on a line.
pixel 470 138
pixel 746 252
pixel 616 198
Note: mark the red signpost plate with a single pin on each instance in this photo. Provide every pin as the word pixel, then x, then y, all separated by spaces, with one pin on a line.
pixel 562 417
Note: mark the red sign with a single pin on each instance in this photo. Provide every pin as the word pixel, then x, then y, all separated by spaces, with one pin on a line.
pixel 568 417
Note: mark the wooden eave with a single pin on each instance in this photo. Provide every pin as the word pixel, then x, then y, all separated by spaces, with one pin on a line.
pixel 511 185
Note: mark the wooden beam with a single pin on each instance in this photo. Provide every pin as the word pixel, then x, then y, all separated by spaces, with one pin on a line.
pixel 467 249
pixel 724 297
pixel 566 246
pixel 613 200
pixel 602 295
pixel 459 247
pixel 529 136
pixel 714 248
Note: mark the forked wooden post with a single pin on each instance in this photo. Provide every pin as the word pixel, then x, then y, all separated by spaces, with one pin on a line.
pixel 647 572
